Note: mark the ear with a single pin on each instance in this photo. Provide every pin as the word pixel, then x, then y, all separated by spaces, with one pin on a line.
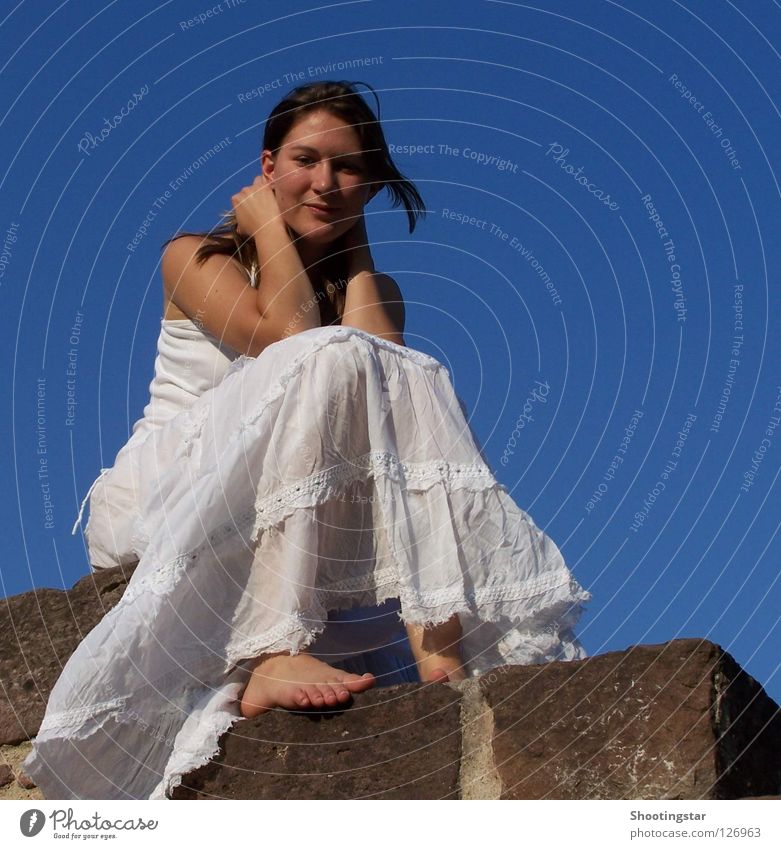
pixel 267 164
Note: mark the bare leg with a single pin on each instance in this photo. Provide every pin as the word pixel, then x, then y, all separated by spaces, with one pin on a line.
pixel 437 650
pixel 298 681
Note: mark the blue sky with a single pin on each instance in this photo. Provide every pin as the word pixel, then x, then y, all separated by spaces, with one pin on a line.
pixel 595 269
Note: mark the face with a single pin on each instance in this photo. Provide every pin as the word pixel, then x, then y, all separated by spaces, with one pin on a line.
pixel 319 163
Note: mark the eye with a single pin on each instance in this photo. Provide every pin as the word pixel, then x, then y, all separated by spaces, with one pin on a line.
pixel 303 159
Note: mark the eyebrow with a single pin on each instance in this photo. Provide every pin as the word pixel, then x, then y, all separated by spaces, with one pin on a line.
pixel 309 149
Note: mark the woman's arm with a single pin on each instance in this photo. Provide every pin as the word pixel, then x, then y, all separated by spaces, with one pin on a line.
pixel 373 301
pixel 286 295
pixel 216 296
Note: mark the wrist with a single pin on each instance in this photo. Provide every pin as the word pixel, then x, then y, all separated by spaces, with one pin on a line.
pixel 270 234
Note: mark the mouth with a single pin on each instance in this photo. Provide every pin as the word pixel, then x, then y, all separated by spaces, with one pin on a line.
pixel 322 209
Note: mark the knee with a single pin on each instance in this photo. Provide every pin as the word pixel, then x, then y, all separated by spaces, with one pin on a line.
pixel 342 356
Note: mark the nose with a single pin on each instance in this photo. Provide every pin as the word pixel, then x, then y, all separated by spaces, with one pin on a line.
pixel 324 178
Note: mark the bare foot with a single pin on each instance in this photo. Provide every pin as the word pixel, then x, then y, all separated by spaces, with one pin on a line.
pixel 437 675
pixel 299 681
pixel 442 676
pixel 437 650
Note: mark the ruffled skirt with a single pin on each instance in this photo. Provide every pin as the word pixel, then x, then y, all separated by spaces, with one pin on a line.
pixel 334 471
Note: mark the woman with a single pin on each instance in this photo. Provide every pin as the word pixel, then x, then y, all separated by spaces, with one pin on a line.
pixel 296 460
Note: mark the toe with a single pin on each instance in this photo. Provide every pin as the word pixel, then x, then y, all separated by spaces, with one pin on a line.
pixel 315 696
pixel 342 693
pixel 330 696
pixel 356 683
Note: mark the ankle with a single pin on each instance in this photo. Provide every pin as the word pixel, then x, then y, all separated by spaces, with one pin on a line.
pixel 451 664
pixel 274 659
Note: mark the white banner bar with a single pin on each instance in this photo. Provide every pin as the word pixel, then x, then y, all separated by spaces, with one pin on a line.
pixel 479 824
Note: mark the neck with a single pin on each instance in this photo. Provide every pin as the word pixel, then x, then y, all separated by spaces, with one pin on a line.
pixel 311 254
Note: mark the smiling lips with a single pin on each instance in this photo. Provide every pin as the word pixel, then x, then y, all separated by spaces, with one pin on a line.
pixel 322 209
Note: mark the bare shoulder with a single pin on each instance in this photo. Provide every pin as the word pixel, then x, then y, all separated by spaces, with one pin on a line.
pixel 176 257
pixel 181 252
pixel 180 255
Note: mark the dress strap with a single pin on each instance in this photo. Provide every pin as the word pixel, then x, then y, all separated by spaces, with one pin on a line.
pixel 89 492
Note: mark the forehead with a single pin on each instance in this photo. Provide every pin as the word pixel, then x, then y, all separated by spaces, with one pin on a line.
pixel 323 131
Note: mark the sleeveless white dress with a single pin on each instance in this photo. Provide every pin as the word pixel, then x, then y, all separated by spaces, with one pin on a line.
pixel 264 498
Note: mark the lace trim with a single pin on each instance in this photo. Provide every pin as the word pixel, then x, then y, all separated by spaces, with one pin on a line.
pixel 159 581
pixel 329 483
pixel 428 609
pixel 192 427
pixel 71 718
pixel 316 489
pixel 281 637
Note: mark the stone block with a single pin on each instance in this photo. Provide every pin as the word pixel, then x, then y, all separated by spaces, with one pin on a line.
pixel 675 721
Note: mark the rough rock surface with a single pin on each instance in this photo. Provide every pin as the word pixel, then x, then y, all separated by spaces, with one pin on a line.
pixel 6 775
pixel 12 757
pixel 401 742
pixel 675 721
pixel 41 630
pixel 679 720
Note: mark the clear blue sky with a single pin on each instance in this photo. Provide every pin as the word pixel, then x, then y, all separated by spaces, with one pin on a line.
pixel 567 127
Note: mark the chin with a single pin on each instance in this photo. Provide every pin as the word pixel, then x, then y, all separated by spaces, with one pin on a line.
pixel 322 234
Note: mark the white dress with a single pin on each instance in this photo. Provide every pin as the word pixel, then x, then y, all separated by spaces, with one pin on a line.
pixel 334 472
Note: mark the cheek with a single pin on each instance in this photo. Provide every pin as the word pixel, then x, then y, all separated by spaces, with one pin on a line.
pixel 290 187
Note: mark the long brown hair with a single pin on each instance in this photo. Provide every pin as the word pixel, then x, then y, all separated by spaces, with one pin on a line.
pixel 342 100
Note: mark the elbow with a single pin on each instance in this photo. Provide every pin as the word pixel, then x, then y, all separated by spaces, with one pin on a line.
pixel 259 337
pixel 267 332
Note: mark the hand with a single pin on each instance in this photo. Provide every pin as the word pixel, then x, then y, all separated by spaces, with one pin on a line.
pixel 358 255
pixel 255 206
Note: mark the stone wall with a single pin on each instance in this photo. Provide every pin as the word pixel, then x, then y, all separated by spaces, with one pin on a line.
pixel 679 720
